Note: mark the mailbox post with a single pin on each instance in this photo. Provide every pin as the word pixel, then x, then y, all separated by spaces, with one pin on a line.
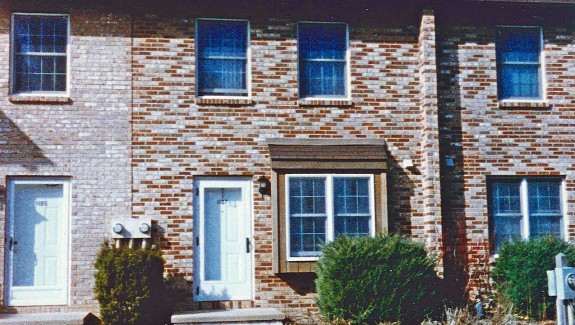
pixel 561 284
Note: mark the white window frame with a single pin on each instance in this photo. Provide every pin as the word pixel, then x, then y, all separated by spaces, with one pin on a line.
pixel 13 58
pixel 542 79
pixel 347 72
pixel 248 62
pixel 329 209
pixel 524 203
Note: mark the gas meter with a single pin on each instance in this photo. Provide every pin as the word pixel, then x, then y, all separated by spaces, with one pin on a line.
pixel 565 279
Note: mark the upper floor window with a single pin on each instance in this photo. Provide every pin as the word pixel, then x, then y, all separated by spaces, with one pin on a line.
pixel 524 208
pixel 519 71
pixel 322 207
pixel 222 59
pixel 322 49
pixel 39 60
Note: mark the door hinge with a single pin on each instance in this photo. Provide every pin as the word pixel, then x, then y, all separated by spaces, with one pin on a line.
pixel 197 290
pixel 197 191
pixel 248 244
pixel 197 240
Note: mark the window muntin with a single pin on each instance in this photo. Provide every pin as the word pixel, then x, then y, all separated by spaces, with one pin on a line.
pixel 322 50
pixel 222 59
pixel 39 53
pixel 525 208
pixel 519 68
pixel 321 207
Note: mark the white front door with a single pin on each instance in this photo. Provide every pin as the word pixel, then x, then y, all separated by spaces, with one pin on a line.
pixel 223 242
pixel 37 242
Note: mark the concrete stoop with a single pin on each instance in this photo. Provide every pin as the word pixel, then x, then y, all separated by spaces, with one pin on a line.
pixel 247 316
pixel 75 318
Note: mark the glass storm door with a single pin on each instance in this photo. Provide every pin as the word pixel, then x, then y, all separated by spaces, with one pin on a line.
pixel 37 243
pixel 223 258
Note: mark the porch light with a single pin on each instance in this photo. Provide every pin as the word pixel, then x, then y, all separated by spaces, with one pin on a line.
pixel 264 185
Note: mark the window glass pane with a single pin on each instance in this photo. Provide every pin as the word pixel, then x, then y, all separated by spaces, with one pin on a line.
pixel 322 41
pixel 322 59
pixel 506 229
pixel 521 44
pixel 222 77
pixel 322 78
pixel 40 53
pixel 351 211
pixel 544 208
pixel 222 57
pixel 307 215
pixel 518 62
pixel 506 212
pixel 520 81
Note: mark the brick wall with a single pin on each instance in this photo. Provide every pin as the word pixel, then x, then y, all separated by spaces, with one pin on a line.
pixel 178 137
pixel 133 135
pixel 484 139
pixel 86 139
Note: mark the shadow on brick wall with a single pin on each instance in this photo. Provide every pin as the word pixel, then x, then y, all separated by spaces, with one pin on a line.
pixel 16 148
pixel 455 261
pixel 399 193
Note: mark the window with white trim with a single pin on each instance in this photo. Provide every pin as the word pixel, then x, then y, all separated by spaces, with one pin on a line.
pixel 222 57
pixel 321 207
pixel 39 59
pixel 322 52
pixel 524 208
pixel 519 68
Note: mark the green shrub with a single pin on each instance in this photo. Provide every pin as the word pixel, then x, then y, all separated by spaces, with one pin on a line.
pixel 520 274
pixel 130 286
pixel 377 279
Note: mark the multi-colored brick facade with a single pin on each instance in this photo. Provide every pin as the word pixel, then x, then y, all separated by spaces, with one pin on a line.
pixel 486 138
pixel 133 136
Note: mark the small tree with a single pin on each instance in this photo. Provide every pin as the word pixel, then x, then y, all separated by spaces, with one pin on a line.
pixel 377 279
pixel 130 286
pixel 520 274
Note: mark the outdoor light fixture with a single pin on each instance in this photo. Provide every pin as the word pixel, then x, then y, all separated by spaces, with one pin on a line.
pixel 264 185
pixel 118 228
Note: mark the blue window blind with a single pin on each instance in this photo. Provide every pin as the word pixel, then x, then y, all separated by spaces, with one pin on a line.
pixel 519 62
pixel 529 201
pixel 322 51
pixel 307 215
pixel 40 47
pixel 222 57
pixel 544 208
pixel 352 207
pixel 506 210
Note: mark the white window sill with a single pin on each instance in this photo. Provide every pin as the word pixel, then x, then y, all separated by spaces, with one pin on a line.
pixel 523 104
pixel 325 102
pixel 38 98
pixel 303 259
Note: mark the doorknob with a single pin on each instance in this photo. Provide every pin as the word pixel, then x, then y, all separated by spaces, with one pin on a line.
pixel 12 243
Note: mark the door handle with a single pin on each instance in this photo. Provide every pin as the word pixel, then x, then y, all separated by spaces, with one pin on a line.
pixel 248 244
pixel 12 243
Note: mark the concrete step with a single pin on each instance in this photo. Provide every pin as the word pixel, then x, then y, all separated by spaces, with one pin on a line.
pixel 251 316
pixel 75 318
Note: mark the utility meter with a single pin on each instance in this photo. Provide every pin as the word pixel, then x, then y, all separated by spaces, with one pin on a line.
pixel 565 279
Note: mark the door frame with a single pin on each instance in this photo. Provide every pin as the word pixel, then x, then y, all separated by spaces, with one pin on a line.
pixel 200 183
pixel 8 269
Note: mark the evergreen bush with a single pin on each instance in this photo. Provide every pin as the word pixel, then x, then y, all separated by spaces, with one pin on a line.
pixel 520 274
pixel 130 286
pixel 377 279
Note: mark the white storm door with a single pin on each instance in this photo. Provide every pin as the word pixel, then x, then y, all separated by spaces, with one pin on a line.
pixel 37 242
pixel 223 250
